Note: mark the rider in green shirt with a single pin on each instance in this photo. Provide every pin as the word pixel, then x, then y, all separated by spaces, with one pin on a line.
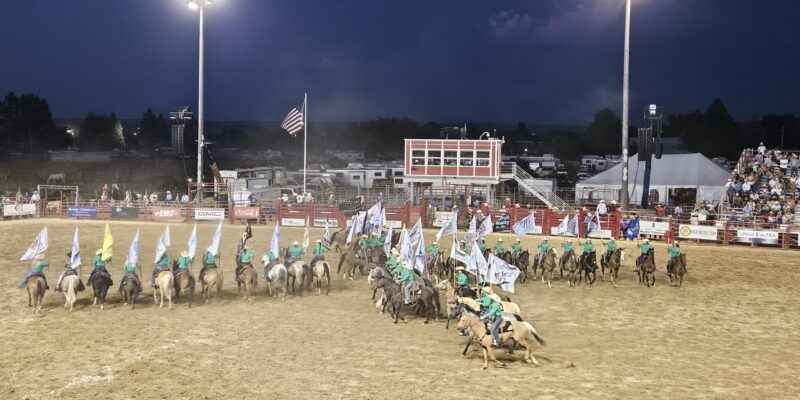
pixel 319 252
pixel 611 246
pixel 482 246
pixel 674 252
pixel 406 280
pixel 462 281
pixel 495 311
pixel 163 264
pixel 38 266
pixel 588 248
pixel 130 270
pixel 499 249
pixel 644 247
pixel 245 260
pixel 516 249
pixel 464 247
pixel 544 247
pixel 567 251
pixel 99 264
pixel 433 250
pixel 294 253
pixel 184 261
pixel 209 260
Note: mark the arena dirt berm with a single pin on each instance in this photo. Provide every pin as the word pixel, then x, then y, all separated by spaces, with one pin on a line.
pixel 730 333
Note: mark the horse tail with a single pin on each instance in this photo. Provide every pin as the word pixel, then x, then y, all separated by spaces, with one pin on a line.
pixel 71 292
pixel 436 301
pixel 533 332
pixel 341 261
pixel 327 277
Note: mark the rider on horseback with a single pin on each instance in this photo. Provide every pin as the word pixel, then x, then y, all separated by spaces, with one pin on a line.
pixel 99 264
pixel 482 246
pixel 674 252
pixel 245 260
pixel 433 253
pixel 645 247
pixel 495 311
pixel 363 247
pixel 499 249
pixel 130 270
pixel 462 280
pixel 611 246
pixel 464 247
pixel 162 265
pixel 567 252
pixel 294 253
pixel 588 248
pixel 37 268
pixel 68 270
pixel 406 279
pixel 319 251
pixel 544 247
pixel 184 261
pixel 394 263
pixel 516 249
pixel 209 260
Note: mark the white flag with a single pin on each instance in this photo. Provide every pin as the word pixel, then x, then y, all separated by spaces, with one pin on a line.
pixel 133 251
pixel 275 243
pixel 449 227
pixel 416 232
pixel 563 226
pixel 163 244
pixel 485 228
pixel 355 228
pixel 75 259
pixel 406 249
pixel 472 230
pixel 306 239
pixel 326 236
pixel 214 248
pixel 457 254
pixel 525 225
pixel 39 245
pixel 419 261
pixel 502 274
pixel 193 242
pixel 477 265
pixel 573 226
pixel 387 245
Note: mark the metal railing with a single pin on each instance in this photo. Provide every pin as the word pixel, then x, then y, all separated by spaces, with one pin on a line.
pixel 546 195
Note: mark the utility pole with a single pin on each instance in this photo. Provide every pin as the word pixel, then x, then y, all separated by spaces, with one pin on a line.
pixel 625 83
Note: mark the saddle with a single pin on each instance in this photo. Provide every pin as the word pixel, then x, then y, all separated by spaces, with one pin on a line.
pixel 39 274
pixel 180 272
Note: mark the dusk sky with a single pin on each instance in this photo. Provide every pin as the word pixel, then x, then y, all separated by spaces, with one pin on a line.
pixel 539 61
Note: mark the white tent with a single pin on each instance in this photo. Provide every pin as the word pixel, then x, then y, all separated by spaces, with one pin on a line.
pixel 672 171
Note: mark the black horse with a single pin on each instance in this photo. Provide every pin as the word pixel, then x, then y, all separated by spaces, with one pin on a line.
pixel 588 267
pixel 101 281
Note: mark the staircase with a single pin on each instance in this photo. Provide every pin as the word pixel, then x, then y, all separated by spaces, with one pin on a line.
pixel 527 182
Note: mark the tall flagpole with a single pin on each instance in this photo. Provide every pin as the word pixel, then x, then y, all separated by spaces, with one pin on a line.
pixel 305 138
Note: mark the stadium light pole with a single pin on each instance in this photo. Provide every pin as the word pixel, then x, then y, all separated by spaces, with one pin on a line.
pixel 625 81
pixel 199 5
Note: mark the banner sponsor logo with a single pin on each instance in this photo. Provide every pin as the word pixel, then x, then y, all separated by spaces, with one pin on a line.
pixel 502 223
pixel 701 232
pixel 393 224
pixel 652 228
pixel 320 222
pixel 81 212
pixel 756 236
pixel 600 234
pixel 209 214
pixel 441 218
pixel 167 214
pixel 293 222
pixel 124 212
pixel 17 210
pixel 246 212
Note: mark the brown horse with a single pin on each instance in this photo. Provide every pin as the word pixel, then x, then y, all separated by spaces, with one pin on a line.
pixel 647 270
pixel 571 266
pixel 211 280
pixel 549 265
pixel 36 289
pixel 521 332
pixel 678 270
pixel 613 263
pixel 321 269
pixel 351 262
pixel 248 280
pixel 131 290
pixel 184 283
pixel 523 260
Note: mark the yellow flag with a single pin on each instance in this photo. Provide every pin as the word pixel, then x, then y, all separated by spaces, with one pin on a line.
pixel 108 242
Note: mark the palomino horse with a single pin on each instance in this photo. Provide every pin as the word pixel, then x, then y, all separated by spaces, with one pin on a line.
pixel 211 280
pixel 521 332
pixel 613 263
pixel 571 267
pixel 165 282
pixel 101 281
pixel 678 270
pixel 299 273
pixel 277 277
pixel 248 280
pixel 131 290
pixel 70 284
pixel 36 289
pixel 321 269
pixel 647 270
pixel 549 265
pixel 352 262
pixel 184 283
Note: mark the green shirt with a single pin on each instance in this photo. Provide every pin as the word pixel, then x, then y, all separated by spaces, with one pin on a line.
pixel 406 275
pixel 466 248
pixel 165 260
pixel 494 311
pixel 482 246
pixel 98 261
pixel 674 251
pixel 588 247
pixel 210 258
pixel 645 247
pixel 296 251
pixel 382 240
pixel 363 244
pixel 499 249
pixel 129 267
pixel 39 266
pixel 433 250
pixel 544 246
pixel 611 246
pixel 485 300
pixel 567 247
pixel 183 262
pixel 271 257
pixel 373 242
pixel 516 247
pixel 462 279
pixel 392 260
pixel 320 250
pixel 245 256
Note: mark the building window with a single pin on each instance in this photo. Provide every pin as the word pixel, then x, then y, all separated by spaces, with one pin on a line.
pixel 356 178
pixel 434 157
pixel 398 181
pixel 418 157
pixel 467 158
pixel 653 196
pixel 379 174
pixel 482 158
pixel 451 158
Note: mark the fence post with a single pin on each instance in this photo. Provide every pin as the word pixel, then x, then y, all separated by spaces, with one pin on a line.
pixel 581 226
pixel 278 211
pixel 726 233
pixel 546 221
pixel 786 237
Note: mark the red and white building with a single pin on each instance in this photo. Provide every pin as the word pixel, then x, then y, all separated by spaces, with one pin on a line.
pixel 445 162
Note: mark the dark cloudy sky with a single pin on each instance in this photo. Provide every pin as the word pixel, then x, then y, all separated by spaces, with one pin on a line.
pixel 546 61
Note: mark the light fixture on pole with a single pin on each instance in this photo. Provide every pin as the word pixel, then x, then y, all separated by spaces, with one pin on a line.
pixel 623 196
pixel 199 5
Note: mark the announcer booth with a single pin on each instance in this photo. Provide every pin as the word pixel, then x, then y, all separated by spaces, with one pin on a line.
pixel 458 169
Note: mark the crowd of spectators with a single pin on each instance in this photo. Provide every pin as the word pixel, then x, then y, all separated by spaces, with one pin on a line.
pixel 764 187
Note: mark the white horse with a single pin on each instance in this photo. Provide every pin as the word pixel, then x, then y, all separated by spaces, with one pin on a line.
pixel 166 284
pixel 276 276
pixel 70 285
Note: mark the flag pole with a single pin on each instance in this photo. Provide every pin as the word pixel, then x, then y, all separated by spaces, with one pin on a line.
pixel 305 138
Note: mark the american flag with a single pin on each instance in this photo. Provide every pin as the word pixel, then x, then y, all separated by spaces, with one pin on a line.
pixel 294 121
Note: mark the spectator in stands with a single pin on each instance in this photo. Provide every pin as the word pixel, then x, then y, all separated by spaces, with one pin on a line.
pixel 35 197
pixel 153 197
pixel 601 208
pixel 661 212
pixel 308 198
pixel 380 198
pixel 612 208
pixel 331 200
pixel 299 198
pixel 761 148
pixel 19 196
pixel 168 197
pixel 678 212
pixel 285 198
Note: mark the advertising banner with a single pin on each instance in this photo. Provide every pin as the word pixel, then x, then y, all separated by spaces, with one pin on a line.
pixel 167 214
pixel 124 212
pixel 320 222
pixel 653 228
pixel 441 218
pixel 18 210
pixel 293 222
pixel 502 223
pixel 81 212
pixel 757 236
pixel 246 212
pixel 701 232
pixel 209 214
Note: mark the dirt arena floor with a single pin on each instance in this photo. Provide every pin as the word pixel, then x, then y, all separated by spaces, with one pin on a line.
pixel 732 332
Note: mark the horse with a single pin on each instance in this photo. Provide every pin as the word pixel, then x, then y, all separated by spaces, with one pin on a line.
pixel 521 332
pixel 523 260
pixel 211 280
pixel 277 276
pixel 678 270
pixel 131 290
pixel 437 267
pixel 506 257
pixel 588 267
pixel 70 284
pixel 321 269
pixel 57 178
pixel 549 265
pixel 298 272
pixel 338 239
pixel 647 269
pixel 184 283
pixel 36 289
pixel 248 280
pixel 613 262
pixel 101 281
pixel 165 281
pixel 571 266
pixel 349 258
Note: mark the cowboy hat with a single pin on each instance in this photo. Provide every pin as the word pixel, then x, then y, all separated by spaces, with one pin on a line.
pixel 602 201
pixel 495 297
pixel 646 240
pixel 613 202
pixel 463 241
pixel 295 243
pixel 517 239
pixel 460 268
pixel 544 239
pixel 488 290
pixel 39 257
pixel 569 240
pixel 184 253
pixel 500 239
pixel 612 239
pixel 364 236
pixel 434 243
pixel 318 241
pixel 394 251
pixel 98 252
